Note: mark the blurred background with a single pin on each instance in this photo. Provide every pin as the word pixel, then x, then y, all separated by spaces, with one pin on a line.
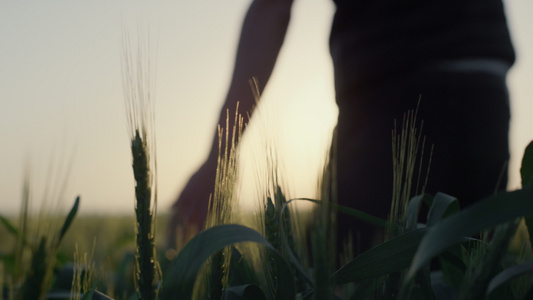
pixel 63 119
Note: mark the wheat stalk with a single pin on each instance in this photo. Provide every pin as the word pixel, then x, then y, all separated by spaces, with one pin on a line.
pixel 406 154
pixel 485 263
pixel 224 200
pixel 137 76
pixel 323 236
pixel 38 242
pixel 83 272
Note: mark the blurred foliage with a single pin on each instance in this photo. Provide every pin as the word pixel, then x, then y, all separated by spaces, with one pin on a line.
pixel 481 252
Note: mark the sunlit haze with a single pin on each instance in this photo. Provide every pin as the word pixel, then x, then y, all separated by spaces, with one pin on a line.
pixel 63 117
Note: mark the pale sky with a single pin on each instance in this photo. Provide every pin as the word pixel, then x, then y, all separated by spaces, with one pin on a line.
pixel 61 93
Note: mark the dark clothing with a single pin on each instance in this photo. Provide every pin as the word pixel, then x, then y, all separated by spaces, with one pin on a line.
pixel 387 54
pixel 372 41
pixel 466 118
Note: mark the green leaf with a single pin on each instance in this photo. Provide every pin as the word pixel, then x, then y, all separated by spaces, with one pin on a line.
pixel 359 215
pixel 34 282
pixel 508 274
pixel 484 214
pixel 453 267
pixel 526 170
pixel 69 219
pixel 292 258
pixel 487 264
pixel 240 272
pixel 362 216
pixel 183 270
pixel 442 205
pixel 10 228
pixel 366 289
pixel 93 294
pixel 88 295
pixel 441 287
pixel 8 260
pixel 393 255
pixel 413 208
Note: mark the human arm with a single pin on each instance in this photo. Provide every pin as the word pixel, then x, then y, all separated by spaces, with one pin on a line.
pixel 262 36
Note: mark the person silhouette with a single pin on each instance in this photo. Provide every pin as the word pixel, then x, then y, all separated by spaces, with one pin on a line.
pixel 453 54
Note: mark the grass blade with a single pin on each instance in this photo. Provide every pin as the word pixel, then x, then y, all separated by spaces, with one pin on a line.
pixel 485 265
pixel 442 205
pixel 411 214
pixel 69 219
pixel 508 274
pixel 294 261
pixel 35 284
pixel 10 228
pixel 393 255
pixel 485 214
pixel 183 270
pixel 359 215
pixel 240 272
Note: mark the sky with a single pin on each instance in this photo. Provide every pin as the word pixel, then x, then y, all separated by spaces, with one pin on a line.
pixel 63 120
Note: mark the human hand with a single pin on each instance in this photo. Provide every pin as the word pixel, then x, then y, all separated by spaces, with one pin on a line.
pixel 189 212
